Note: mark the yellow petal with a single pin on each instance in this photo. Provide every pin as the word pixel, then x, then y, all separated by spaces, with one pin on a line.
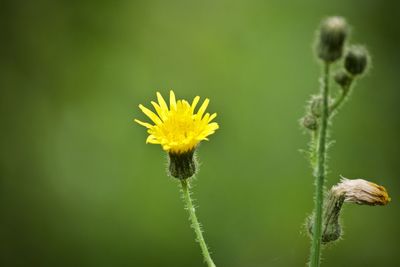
pixel 152 140
pixel 160 112
pixel 150 114
pixel 212 117
pixel 172 101
pixel 194 104
pixel 161 101
pixel 179 105
pixel 213 126
pixel 202 108
pixel 145 124
pixel 205 118
pixel 186 105
pixel 166 147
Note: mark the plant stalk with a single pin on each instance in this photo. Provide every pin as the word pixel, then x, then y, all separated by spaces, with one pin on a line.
pixel 340 100
pixel 320 172
pixel 195 223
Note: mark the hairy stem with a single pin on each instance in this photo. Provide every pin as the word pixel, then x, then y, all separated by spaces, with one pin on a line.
pixel 340 100
pixel 320 172
pixel 313 149
pixel 195 223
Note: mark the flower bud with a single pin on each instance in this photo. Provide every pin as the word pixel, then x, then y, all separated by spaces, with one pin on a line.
pixel 182 165
pixel 356 59
pixel 331 38
pixel 343 79
pixel 331 228
pixel 310 122
pixel 316 106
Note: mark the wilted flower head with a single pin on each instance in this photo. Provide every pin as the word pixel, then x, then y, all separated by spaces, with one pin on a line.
pixel 357 191
pixel 361 192
pixel 178 129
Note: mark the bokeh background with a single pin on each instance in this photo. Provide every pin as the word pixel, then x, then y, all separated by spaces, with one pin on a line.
pixel 79 186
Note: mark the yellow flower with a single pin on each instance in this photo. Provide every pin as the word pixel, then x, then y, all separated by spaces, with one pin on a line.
pixel 178 129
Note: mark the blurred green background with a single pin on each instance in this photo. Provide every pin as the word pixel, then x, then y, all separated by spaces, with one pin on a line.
pixel 79 186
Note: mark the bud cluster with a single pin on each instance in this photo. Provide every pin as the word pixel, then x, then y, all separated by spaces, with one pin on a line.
pixel 331 46
pixel 311 120
pixel 331 42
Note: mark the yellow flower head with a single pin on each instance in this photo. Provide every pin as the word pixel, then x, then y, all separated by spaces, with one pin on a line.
pixel 178 129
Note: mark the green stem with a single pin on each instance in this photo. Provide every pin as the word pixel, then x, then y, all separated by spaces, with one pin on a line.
pixel 320 172
pixel 313 149
pixel 195 223
pixel 340 100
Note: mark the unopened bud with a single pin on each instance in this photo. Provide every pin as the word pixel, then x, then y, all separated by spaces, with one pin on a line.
pixel 356 59
pixel 343 79
pixel 332 229
pixel 183 165
pixel 310 122
pixel 316 106
pixel 331 38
